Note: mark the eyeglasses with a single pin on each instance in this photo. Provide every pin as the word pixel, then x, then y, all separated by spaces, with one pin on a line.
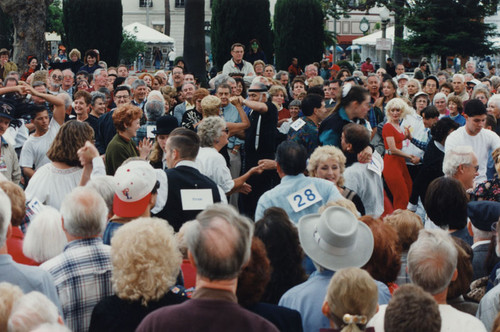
pixel 57 77
pixel 121 97
pixel 475 167
pixel 226 130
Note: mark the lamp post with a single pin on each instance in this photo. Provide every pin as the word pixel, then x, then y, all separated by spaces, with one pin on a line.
pixel 385 18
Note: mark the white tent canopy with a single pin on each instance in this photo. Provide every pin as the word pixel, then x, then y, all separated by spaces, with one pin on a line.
pixel 148 35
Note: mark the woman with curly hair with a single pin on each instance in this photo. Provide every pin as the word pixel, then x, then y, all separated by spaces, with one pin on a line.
pixel 328 162
pixel 54 180
pixel 126 119
pixel 146 261
pixel 281 239
pixel 192 118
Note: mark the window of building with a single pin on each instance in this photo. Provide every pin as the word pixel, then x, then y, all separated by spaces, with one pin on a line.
pixel 179 4
pixel 143 3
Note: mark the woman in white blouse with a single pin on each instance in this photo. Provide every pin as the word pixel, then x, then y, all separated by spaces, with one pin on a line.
pixel 214 135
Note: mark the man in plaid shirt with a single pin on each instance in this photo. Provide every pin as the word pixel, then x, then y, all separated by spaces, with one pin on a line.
pixel 82 273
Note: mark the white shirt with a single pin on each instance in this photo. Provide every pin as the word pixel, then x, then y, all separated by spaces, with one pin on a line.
pixel 483 143
pixel 213 165
pixel 35 149
pixel 452 320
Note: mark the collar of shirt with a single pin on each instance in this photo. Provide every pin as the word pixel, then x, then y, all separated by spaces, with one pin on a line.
pixel 83 243
pixel 214 294
pixel 290 178
pixel 478 243
pixel 439 146
pixel 188 163
pixel 189 105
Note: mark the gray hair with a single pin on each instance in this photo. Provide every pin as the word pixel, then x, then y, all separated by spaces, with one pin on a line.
pixel 480 234
pixel 51 327
pixel 31 310
pixel 480 88
pixel 98 71
pixel 156 95
pixel 219 241
pixel 439 96
pixel 373 75
pixel 432 260
pixel 459 155
pixel 5 216
pixel 220 79
pixel 130 80
pixel 281 73
pixel 210 129
pixel 495 99
pixel 154 109
pixel 459 76
pixel 137 83
pixel 45 237
pixel 106 187
pixel 468 77
pixel 67 99
pixel 69 72
pixel 84 212
pixel 97 95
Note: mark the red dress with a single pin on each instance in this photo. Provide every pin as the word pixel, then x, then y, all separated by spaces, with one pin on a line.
pixel 395 171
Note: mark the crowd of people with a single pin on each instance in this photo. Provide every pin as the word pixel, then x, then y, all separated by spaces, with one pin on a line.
pixel 273 200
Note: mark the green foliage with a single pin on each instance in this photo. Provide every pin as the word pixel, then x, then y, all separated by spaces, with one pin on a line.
pixel 346 64
pixel 449 27
pixel 130 47
pixel 6 31
pixel 55 18
pixel 239 21
pixel 356 57
pixel 94 24
pixel 298 31
pixel 340 8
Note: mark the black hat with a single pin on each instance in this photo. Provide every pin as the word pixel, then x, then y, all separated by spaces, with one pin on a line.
pixel 7 110
pixel 483 214
pixel 165 124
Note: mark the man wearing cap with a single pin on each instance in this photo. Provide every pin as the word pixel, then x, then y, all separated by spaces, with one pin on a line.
pixel 297 194
pixel 432 265
pixel 9 165
pixel 482 215
pixel 135 195
pixel 334 70
pixel 189 191
pixel 260 144
pixel 473 133
pixel 458 83
pixel 401 80
pixel 334 239
pixel 82 272
pixel 6 66
pixel 367 67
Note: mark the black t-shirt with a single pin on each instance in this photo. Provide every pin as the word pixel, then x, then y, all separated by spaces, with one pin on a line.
pixel 266 136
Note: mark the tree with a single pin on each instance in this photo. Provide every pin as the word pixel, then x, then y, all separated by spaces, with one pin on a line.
pixel 167 18
pixel 239 21
pixel 55 18
pixel 300 36
pixel 94 24
pixel 29 35
pixel 449 27
pixel 194 39
pixel 6 31
pixel 130 47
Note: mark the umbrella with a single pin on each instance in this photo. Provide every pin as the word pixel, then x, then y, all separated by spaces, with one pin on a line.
pixel 339 49
pixel 354 48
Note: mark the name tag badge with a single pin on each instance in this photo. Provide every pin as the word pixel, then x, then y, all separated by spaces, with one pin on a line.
pixel 297 124
pixel 196 199
pixel 304 198
pixel 376 165
pixel 150 131
pixel 35 205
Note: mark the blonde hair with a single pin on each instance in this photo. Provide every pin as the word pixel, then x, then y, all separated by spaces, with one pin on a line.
pixel 398 103
pixel 342 202
pixel 352 297
pixel 407 224
pixel 146 260
pixel 496 158
pixel 76 52
pixel 10 293
pixel 322 154
pixel 316 80
pixel 210 106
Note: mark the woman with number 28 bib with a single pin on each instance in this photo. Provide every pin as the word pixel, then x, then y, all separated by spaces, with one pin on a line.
pixel 328 162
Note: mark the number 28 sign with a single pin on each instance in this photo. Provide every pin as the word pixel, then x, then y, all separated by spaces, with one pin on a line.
pixel 304 198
